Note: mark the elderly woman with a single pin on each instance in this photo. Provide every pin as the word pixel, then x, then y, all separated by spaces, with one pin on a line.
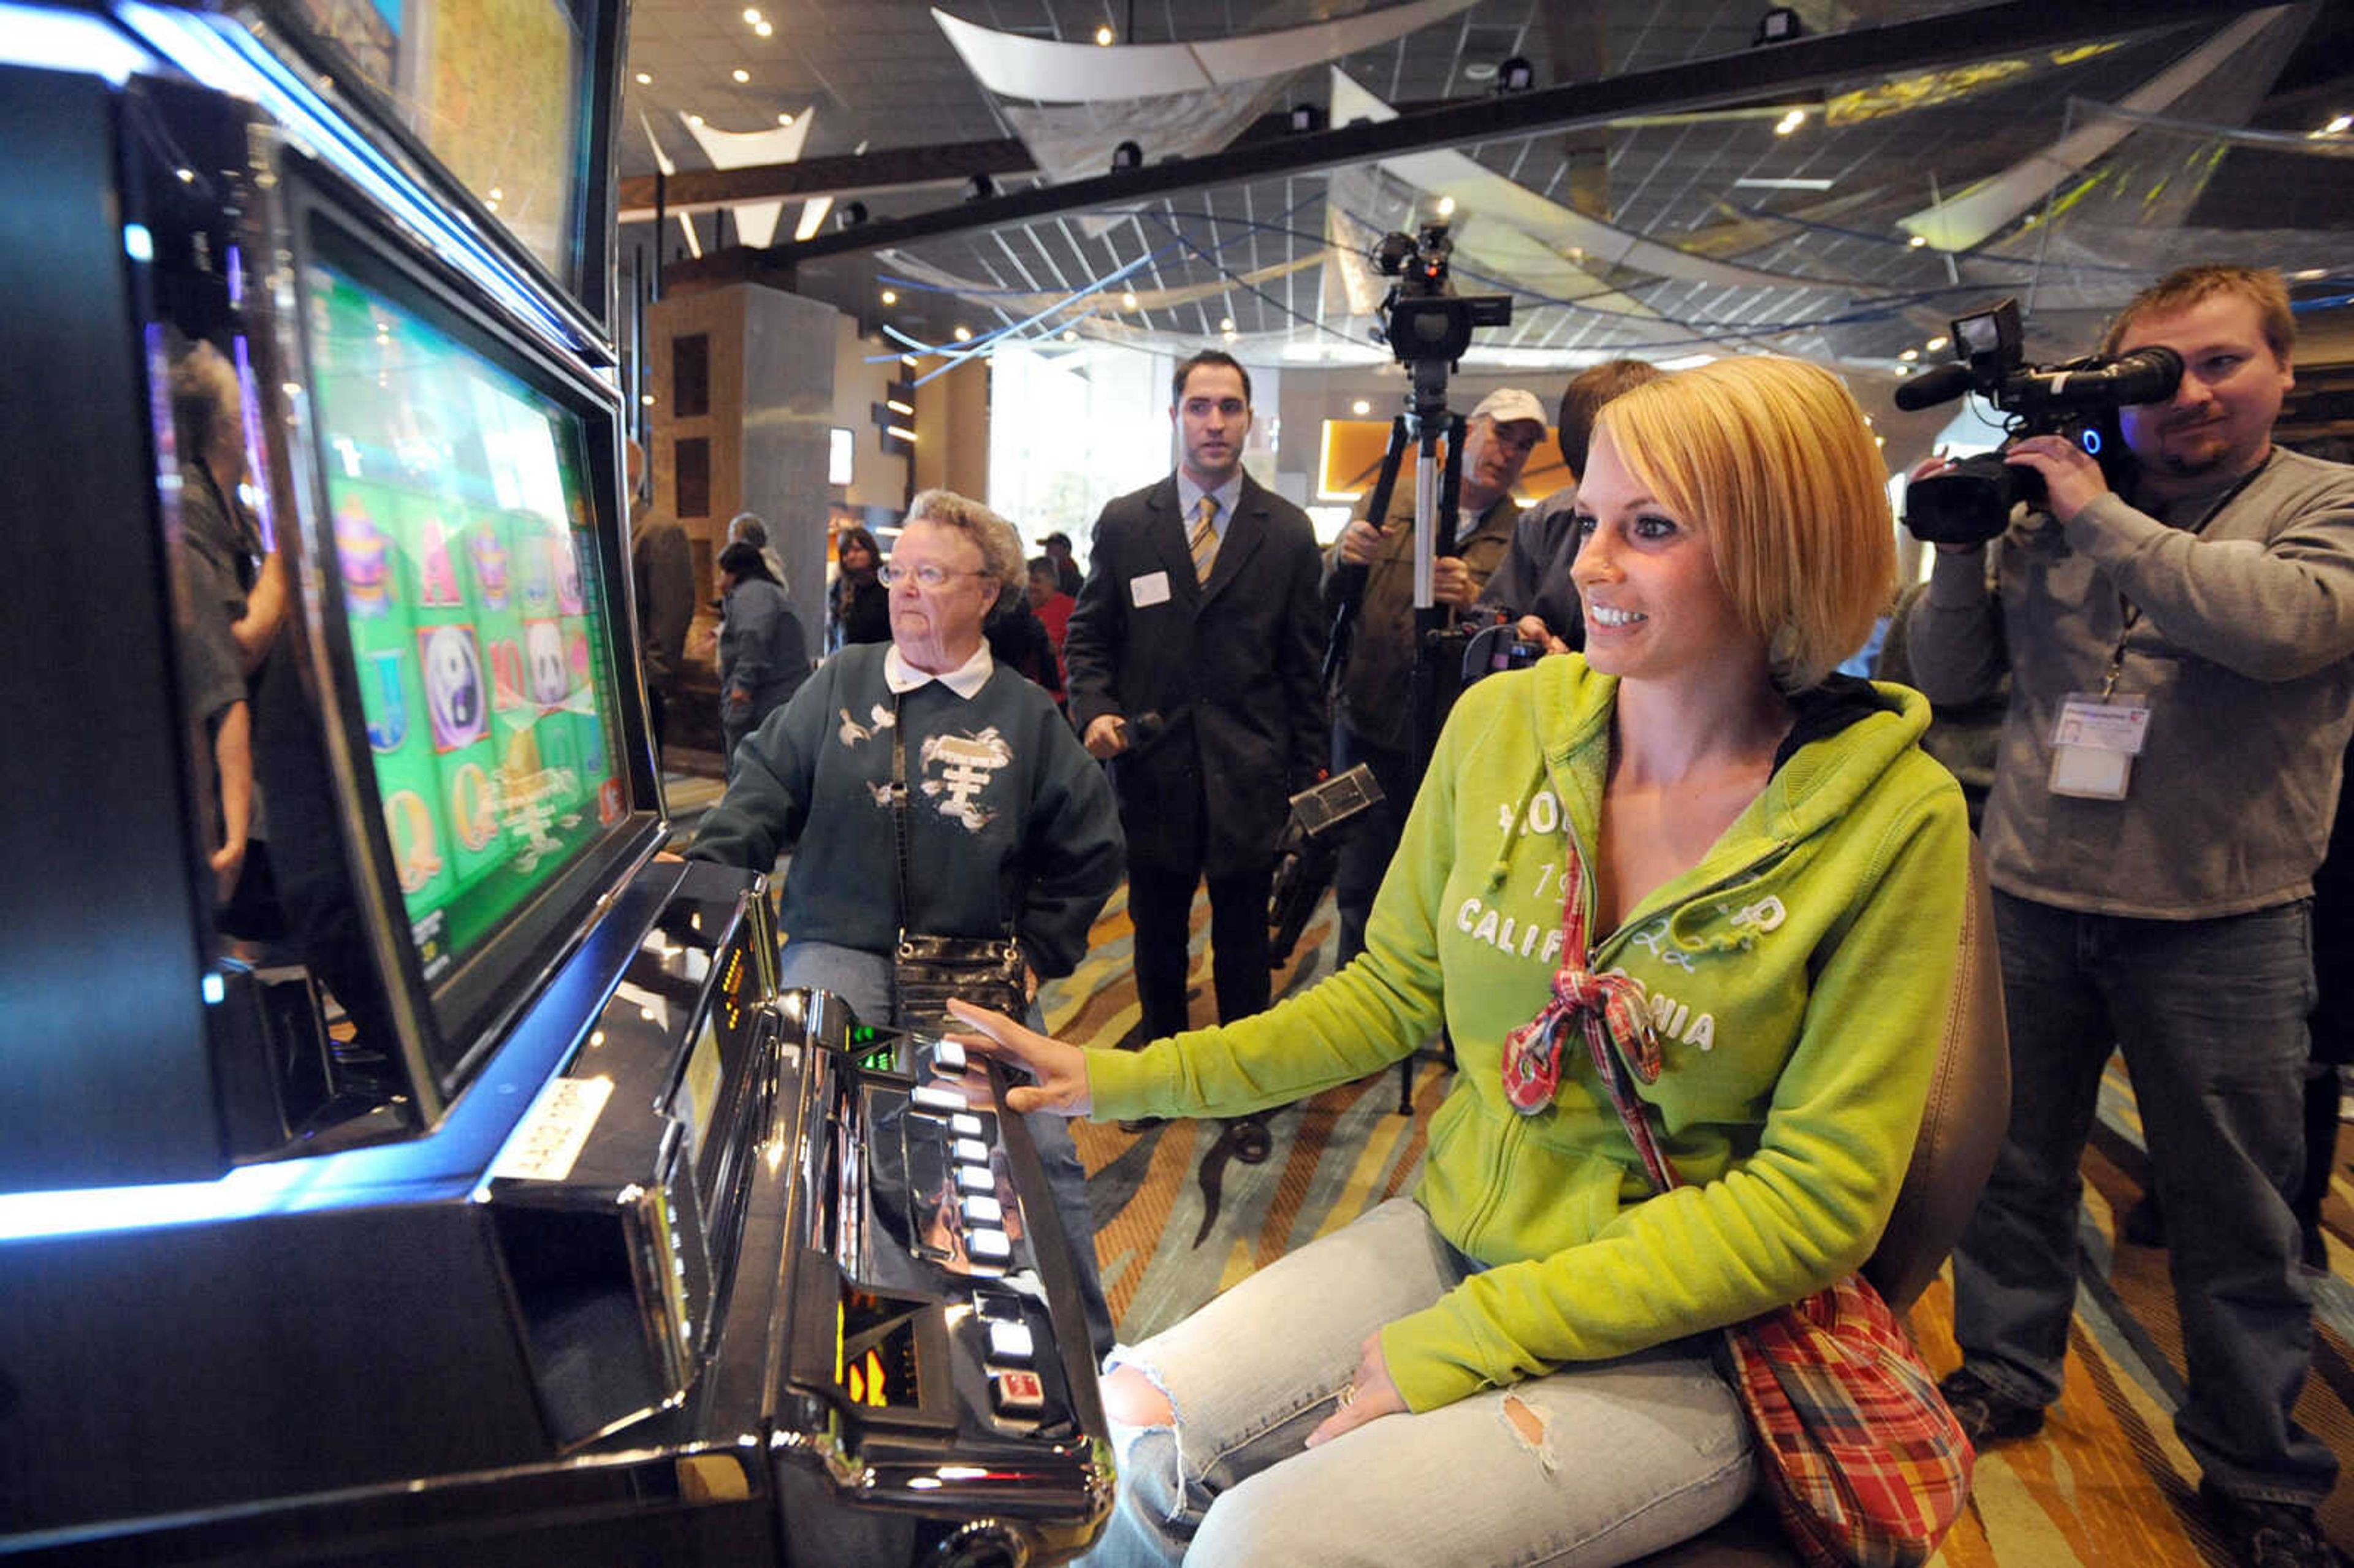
pixel 763 655
pixel 1695 816
pixel 1009 823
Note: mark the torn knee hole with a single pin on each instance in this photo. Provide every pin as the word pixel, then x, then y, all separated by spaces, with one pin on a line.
pixel 1530 1428
pixel 1130 1398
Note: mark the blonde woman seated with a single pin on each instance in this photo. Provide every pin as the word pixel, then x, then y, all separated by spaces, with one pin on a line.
pixel 1512 1367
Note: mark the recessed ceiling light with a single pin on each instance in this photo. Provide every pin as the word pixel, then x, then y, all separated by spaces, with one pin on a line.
pixel 1104 35
pixel 964 335
pixel 784 120
pixel 740 74
pixel 763 28
pixel 1771 183
pixel 1361 406
pixel 1789 122
pixel 752 14
pixel 1070 337
pixel 1909 355
pixel 1446 206
pixel 695 119
pixel 1128 301
pixel 1479 70
pixel 1225 324
pixel 645 79
pixel 1936 342
pixel 890 296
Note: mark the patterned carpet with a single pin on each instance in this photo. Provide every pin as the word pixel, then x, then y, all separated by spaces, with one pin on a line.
pixel 1178 1218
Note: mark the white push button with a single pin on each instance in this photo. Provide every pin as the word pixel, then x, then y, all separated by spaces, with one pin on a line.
pixel 971 1151
pixel 1010 1342
pixel 964 1123
pixel 931 1096
pixel 949 1056
pixel 981 1210
pixel 975 1179
pixel 987 1244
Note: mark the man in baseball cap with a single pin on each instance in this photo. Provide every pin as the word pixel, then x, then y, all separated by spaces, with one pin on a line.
pixel 1372 719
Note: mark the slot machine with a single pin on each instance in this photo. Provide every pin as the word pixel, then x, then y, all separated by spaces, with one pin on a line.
pixel 398 1161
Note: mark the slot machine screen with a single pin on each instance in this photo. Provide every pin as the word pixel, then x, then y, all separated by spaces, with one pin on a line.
pixel 474 605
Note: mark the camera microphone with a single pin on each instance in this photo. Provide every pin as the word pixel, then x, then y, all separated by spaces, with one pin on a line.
pixel 2146 376
pixel 1940 385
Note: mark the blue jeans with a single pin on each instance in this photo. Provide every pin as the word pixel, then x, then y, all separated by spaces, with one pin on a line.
pixel 863 980
pixel 2211 1017
pixel 1599 1463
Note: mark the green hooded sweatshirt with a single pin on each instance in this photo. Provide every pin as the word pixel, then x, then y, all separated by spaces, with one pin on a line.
pixel 1797 978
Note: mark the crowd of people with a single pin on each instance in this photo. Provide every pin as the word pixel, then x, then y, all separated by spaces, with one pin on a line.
pixel 1680 820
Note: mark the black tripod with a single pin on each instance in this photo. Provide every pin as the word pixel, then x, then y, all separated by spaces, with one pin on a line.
pixel 1437 493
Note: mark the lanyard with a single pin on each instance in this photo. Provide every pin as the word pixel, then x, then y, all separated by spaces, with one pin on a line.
pixel 2129 613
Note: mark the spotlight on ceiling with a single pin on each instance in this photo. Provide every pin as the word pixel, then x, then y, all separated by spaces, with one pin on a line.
pixel 980 188
pixel 1779 25
pixel 1515 75
pixel 1127 156
pixel 1309 117
pixel 849 215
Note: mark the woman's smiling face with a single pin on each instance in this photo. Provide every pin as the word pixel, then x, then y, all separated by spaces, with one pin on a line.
pixel 1655 607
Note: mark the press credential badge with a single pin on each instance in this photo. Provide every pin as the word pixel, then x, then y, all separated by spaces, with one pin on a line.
pixel 2093 744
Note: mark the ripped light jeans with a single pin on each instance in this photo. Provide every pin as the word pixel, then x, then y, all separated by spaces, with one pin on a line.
pixel 1599 1463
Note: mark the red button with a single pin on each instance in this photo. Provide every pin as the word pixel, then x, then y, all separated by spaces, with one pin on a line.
pixel 1018 1393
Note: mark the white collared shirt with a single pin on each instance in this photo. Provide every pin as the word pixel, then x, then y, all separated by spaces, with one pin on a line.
pixel 966 680
pixel 1189 503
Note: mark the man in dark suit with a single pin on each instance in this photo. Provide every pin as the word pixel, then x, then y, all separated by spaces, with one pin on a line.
pixel 1193 657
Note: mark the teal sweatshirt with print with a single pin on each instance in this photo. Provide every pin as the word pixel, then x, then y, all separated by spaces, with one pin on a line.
pixel 1797 978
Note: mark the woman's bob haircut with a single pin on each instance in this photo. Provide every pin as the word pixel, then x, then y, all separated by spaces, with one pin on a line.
pixel 1771 460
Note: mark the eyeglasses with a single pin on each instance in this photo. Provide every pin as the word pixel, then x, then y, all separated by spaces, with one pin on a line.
pixel 927 575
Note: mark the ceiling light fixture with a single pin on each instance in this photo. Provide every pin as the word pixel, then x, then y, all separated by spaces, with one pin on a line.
pixel 849 215
pixel 1446 206
pixel 1779 25
pixel 1917 242
pixel 752 15
pixel 1127 156
pixel 2339 125
pixel 964 335
pixel 1515 75
pixel 1104 35
pixel 695 119
pixel 763 28
pixel 1936 342
pixel 645 79
pixel 740 74
pixel 1308 117
pixel 1789 122
pixel 1361 408
pixel 1771 183
pixel 1225 324
pixel 890 296
pixel 1128 301
pixel 784 120
pixel 1909 355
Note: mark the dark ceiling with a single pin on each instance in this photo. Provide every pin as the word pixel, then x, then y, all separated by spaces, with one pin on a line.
pixel 1249 243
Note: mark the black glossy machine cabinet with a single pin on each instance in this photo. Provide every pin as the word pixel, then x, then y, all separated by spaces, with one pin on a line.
pixel 399 1162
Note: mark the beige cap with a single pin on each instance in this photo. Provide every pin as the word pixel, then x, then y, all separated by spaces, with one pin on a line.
pixel 1508 405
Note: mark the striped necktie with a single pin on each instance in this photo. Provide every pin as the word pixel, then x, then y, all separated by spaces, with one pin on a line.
pixel 1204 542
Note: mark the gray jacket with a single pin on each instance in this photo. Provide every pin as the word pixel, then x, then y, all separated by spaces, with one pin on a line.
pixel 2240 647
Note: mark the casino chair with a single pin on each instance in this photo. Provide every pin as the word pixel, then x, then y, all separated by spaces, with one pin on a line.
pixel 1961 1132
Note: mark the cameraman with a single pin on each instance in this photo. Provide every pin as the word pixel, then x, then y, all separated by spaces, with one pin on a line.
pixel 1372 721
pixel 2154 878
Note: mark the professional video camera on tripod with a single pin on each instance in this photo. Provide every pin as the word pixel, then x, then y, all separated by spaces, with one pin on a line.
pixel 1429 327
pixel 1972 500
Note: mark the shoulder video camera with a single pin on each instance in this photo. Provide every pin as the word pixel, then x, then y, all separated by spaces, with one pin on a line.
pixel 2079 399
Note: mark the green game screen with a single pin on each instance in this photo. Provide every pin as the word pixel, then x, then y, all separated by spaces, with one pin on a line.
pixel 469 579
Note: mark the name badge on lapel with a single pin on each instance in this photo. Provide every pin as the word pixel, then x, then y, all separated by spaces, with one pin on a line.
pixel 1149 589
